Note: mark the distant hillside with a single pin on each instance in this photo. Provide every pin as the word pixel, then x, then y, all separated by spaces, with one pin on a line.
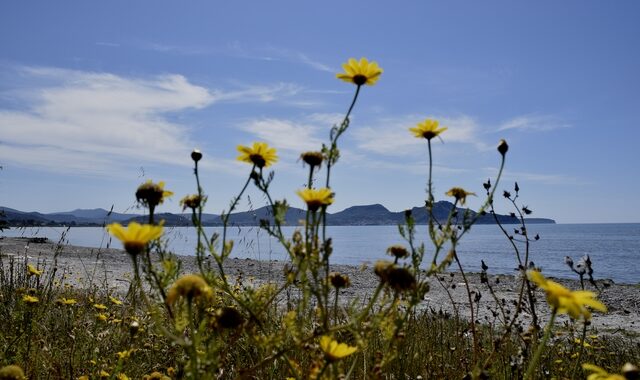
pixel 79 217
pixel 368 215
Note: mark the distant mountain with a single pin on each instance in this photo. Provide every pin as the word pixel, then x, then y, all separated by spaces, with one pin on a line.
pixel 79 217
pixel 97 214
pixel 368 215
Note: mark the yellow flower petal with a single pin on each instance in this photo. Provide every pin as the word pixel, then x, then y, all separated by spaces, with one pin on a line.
pixel 359 73
pixel 260 154
pixel 565 301
pixel 427 129
pixel 334 350
pixel 316 198
pixel 136 236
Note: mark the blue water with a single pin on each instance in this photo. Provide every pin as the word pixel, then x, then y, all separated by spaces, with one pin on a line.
pixel 614 248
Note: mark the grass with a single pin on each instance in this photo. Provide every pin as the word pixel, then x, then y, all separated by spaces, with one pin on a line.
pixel 51 340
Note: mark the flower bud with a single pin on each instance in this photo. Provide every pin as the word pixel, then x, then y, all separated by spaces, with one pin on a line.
pixel 196 155
pixel 503 147
pixel 631 372
pixel 134 327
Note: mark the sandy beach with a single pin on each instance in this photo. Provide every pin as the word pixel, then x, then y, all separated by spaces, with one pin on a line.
pixel 87 267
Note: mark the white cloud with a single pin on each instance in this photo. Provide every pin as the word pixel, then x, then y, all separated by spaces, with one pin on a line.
pixel 392 136
pixel 239 50
pixel 285 134
pixel 80 121
pixel 262 94
pixel 548 179
pixel 533 123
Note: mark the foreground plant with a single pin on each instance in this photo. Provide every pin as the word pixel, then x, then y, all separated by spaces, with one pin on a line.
pixel 562 301
pixel 211 323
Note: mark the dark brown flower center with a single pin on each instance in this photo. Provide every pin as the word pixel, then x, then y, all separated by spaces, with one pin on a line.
pixel 359 79
pixel 429 135
pixel 149 194
pixel 314 205
pixel 258 160
pixel 134 247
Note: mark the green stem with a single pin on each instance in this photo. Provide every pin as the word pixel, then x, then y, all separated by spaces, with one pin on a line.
pixel 547 333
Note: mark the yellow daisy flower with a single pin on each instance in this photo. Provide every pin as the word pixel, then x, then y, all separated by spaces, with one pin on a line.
pixel 359 73
pixel 459 194
pixel 427 129
pixel 30 299
pixel 564 300
pixel 152 194
pixel 33 271
pixel 125 354
pixel 99 306
pixel 12 372
pixel 115 301
pixel 334 350
pixel 316 198
pixel 103 317
pixel 66 301
pixel 599 373
pixel 136 236
pixel 188 286
pixel 260 154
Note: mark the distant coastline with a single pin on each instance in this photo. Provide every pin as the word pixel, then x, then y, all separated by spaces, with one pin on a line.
pixel 367 215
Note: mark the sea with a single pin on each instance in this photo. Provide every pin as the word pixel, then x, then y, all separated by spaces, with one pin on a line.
pixel 614 249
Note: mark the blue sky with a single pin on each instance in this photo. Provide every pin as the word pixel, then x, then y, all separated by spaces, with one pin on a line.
pixel 97 97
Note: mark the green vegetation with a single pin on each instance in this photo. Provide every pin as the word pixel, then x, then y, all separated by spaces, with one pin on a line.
pixel 209 324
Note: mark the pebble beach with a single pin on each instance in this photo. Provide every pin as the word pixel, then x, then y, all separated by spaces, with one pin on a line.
pixel 86 267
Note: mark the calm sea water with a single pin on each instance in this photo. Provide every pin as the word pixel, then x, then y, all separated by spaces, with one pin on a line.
pixel 614 248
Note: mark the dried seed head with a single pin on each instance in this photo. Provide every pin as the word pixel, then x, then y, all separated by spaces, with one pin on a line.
pixel 398 251
pixel 152 194
pixel 312 159
pixel 339 280
pixel 229 318
pixel 192 201
pixel 401 279
pixel 381 269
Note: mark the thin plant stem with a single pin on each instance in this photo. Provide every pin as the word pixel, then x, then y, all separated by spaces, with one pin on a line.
pixel 547 333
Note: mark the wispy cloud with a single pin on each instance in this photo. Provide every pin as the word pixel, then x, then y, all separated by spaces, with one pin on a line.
pixel 175 49
pixel 262 94
pixel 285 134
pixel 84 121
pixel 108 44
pixel 547 179
pixel 392 137
pixel 534 123
pixel 240 50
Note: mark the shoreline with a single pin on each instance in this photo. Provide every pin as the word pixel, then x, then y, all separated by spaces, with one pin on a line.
pixel 87 267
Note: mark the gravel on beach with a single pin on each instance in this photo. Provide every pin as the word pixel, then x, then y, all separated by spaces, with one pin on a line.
pixel 112 267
